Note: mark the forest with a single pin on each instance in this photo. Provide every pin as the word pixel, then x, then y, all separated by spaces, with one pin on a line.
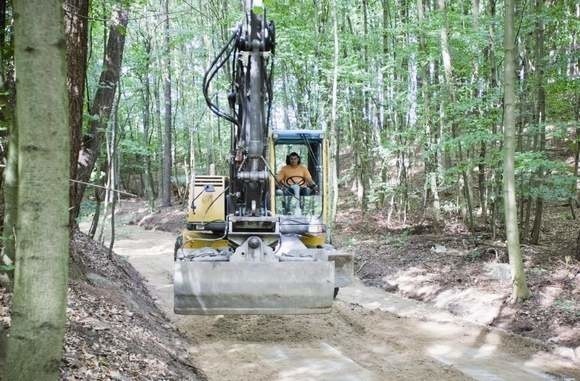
pixel 446 115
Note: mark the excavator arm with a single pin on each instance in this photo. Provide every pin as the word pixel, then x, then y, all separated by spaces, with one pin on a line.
pixel 250 51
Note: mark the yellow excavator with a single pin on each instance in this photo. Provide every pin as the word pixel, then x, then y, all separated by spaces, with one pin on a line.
pixel 252 244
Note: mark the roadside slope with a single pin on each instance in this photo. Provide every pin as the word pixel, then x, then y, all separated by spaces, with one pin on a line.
pixel 114 329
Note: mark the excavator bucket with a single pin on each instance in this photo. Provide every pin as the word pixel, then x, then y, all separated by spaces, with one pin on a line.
pixel 210 288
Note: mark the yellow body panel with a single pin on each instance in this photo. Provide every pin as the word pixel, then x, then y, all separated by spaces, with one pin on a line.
pixel 209 199
pixel 197 244
pixel 197 240
pixel 313 241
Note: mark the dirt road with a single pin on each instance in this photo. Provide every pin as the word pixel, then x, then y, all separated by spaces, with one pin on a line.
pixel 369 335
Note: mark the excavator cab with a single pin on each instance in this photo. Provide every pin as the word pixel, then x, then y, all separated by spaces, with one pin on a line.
pixel 308 144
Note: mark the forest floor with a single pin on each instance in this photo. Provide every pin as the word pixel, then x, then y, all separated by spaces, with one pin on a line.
pixel 463 273
pixel 469 274
pixel 121 329
pixel 368 335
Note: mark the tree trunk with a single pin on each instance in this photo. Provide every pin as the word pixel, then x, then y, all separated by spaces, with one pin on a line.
pixel 448 71
pixel 481 181
pixel 96 215
pixel 574 199
pixel 10 188
pixel 159 134
pixel 166 184
pixel 332 180
pixel 520 289
pixel 495 171
pixel 99 198
pixel 101 107
pixel 482 149
pixel 76 29
pixel 10 173
pixel 113 169
pixel 540 113
pixel 147 178
pixel 108 187
pixel 42 241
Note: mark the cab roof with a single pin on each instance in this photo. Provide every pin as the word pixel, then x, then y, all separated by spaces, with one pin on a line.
pixel 297 136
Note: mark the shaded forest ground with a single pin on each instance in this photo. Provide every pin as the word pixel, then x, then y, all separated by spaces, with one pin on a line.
pixel 469 274
pixel 114 330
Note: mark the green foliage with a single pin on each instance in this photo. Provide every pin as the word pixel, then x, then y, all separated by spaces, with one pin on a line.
pixel 398 241
pixel 474 255
pixel 555 183
pixel 6 268
pixel 392 101
pixel 567 305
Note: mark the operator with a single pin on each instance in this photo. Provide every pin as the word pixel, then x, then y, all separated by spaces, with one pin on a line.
pixel 294 173
pixel 296 177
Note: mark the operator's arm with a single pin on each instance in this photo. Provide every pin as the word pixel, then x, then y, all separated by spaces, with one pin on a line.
pixel 281 176
pixel 308 177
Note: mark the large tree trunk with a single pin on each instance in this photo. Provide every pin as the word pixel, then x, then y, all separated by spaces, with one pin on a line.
pixel 42 240
pixel 520 288
pixel 76 28
pixel 101 107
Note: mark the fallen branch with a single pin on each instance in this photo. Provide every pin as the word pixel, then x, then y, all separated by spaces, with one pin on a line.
pixel 361 267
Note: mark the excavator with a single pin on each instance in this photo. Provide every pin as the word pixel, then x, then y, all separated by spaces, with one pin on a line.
pixel 252 244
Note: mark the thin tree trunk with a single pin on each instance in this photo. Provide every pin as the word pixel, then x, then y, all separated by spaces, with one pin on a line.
pixel 113 170
pixel 167 164
pixel 332 184
pixel 10 173
pixel 448 71
pixel 520 289
pixel 147 178
pixel 96 215
pixel 192 167
pixel 159 133
pixel 495 171
pixel 108 188
pixel 99 198
pixel 10 188
pixel 540 112
pixel 574 199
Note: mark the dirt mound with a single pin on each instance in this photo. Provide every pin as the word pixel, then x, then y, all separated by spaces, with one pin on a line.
pixel 136 212
pixel 114 330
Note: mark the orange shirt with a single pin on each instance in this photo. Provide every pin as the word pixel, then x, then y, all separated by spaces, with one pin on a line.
pixel 288 171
